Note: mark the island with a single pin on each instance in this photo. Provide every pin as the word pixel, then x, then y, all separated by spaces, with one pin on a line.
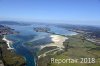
pixel 41 29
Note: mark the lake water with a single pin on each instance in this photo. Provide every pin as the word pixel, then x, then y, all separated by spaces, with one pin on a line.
pixel 28 34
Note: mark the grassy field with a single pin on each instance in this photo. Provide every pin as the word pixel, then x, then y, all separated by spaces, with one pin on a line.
pixel 77 48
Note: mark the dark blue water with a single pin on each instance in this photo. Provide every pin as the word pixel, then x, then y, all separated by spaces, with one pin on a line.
pixel 24 52
pixel 27 34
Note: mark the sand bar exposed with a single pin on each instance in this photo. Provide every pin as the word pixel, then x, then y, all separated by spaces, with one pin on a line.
pixel 8 43
pixel 57 41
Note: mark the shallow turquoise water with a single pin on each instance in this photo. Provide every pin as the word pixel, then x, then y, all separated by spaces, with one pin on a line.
pixel 27 34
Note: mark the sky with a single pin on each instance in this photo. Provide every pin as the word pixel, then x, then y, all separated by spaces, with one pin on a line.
pixel 61 11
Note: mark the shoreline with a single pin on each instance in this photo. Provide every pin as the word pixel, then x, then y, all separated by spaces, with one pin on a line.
pixel 57 41
pixel 8 42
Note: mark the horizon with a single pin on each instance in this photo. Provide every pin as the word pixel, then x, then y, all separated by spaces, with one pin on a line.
pixel 84 12
pixel 27 22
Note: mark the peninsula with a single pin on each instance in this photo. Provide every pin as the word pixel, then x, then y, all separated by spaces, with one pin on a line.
pixel 7 55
